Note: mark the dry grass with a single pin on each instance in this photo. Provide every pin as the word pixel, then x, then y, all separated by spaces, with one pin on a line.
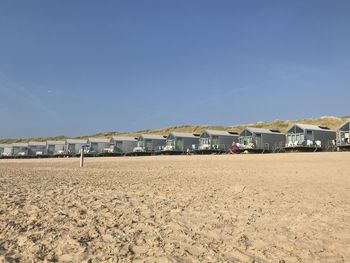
pixel 282 125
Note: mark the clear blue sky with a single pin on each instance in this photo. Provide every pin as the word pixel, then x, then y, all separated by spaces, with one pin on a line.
pixel 80 67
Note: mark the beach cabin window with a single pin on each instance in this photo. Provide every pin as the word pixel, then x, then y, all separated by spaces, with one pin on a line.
pixel 7 151
pixel 215 140
pixel 244 140
pixel 141 144
pixel 204 141
pixel 94 146
pixel 38 148
pixel 59 147
pixel 71 148
pixel 20 150
pixel 346 138
pixel 51 149
pixel 170 142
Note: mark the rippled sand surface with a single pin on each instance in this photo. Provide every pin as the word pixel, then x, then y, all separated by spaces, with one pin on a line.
pixel 233 208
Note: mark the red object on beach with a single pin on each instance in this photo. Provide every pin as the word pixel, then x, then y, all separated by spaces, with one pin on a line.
pixel 234 147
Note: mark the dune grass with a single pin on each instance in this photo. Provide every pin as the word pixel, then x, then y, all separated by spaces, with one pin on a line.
pixel 282 125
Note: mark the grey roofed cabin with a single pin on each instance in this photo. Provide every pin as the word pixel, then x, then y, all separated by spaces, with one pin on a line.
pixel 181 142
pixel 6 150
pixel 124 144
pixel 98 145
pixel 310 135
pixel 36 148
pixel 20 149
pixel 262 139
pixel 344 134
pixel 150 143
pixel 73 146
pixel 55 147
pixel 217 140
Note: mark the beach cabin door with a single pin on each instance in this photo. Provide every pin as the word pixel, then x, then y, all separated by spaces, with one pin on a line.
pixel 119 146
pixel 149 145
pixel 51 149
pixel 309 135
pixel 179 144
pixel 259 141
pixel 94 147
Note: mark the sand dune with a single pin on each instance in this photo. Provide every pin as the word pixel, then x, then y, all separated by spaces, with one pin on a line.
pixel 235 208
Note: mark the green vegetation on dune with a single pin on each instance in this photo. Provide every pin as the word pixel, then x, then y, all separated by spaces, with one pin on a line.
pixel 38 139
pixel 282 125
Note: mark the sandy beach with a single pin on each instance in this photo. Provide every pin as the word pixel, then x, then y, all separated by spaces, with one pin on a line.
pixel 232 208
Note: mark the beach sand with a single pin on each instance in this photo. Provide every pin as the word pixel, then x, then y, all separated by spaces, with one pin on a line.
pixel 231 208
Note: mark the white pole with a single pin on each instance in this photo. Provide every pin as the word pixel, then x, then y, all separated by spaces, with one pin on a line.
pixel 82 157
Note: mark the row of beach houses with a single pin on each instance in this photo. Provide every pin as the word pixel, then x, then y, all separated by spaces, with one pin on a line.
pixel 300 137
